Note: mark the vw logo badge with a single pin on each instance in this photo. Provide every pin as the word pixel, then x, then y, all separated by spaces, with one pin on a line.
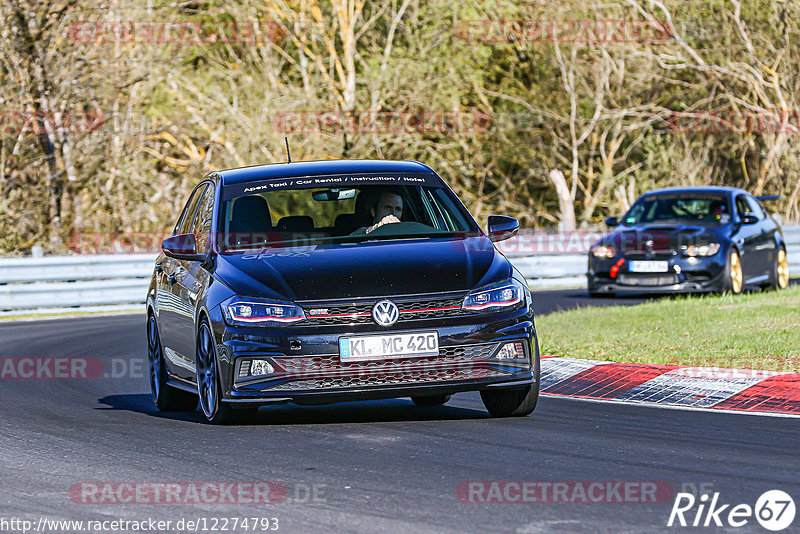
pixel 385 313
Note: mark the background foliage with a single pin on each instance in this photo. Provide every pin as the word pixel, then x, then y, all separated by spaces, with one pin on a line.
pixel 596 112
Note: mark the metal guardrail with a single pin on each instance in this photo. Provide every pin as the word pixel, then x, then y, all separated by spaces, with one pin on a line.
pixel 47 284
pixel 64 282
pixel 71 268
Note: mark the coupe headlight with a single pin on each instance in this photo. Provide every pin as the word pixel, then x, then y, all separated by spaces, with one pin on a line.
pixel 603 251
pixel 494 297
pixel 701 250
pixel 261 312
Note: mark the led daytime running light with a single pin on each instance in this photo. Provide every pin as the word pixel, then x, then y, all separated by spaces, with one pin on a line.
pixel 502 296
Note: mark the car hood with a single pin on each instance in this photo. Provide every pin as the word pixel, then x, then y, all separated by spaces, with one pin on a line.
pixel 663 236
pixel 373 269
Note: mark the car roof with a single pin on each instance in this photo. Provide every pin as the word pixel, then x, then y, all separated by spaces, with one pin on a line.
pixel 698 189
pixel 277 171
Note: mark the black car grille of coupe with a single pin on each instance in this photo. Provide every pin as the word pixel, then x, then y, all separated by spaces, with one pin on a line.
pixel 666 254
pixel 361 313
pixel 465 362
pixel 647 279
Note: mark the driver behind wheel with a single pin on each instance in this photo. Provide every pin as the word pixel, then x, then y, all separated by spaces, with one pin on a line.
pixel 387 209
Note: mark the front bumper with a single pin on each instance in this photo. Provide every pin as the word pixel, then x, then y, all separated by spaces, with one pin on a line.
pixel 684 275
pixel 308 369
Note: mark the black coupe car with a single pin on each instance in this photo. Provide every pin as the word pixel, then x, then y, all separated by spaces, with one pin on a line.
pixel 690 239
pixel 319 282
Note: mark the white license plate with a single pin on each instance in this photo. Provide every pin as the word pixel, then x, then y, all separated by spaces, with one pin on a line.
pixel 648 267
pixel 388 346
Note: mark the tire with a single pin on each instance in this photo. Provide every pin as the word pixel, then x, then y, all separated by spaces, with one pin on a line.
pixel 733 280
pixel 431 400
pixel 214 410
pixel 779 278
pixel 518 402
pixel 167 398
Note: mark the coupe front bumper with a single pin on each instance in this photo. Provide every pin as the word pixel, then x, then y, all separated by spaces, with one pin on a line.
pixel 683 275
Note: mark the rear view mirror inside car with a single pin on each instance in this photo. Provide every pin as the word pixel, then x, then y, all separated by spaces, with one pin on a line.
pixel 333 194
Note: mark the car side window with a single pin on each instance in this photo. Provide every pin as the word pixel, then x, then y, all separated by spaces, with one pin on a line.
pixel 202 222
pixel 188 210
pixel 191 210
pixel 741 206
pixel 755 207
pixel 176 230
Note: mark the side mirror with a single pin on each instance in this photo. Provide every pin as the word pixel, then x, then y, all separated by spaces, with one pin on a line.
pixel 749 219
pixel 611 222
pixel 502 227
pixel 182 247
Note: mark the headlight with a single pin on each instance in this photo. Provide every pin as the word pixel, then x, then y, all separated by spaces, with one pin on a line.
pixel 496 296
pixel 701 250
pixel 603 251
pixel 261 312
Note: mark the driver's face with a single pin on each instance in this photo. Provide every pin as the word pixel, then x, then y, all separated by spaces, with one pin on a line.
pixel 388 204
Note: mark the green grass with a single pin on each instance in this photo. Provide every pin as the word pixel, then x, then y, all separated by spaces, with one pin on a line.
pixel 752 331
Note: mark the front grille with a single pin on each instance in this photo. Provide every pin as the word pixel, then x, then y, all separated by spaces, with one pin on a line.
pixel 361 313
pixel 647 279
pixel 453 363
pixel 663 255
pixel 699 276
pixel 409 377
pixel 464 354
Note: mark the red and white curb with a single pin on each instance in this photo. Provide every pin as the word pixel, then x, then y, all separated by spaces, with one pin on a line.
pixel 691 387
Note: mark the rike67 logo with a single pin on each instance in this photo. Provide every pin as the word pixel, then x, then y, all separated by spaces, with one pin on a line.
pixel 774 510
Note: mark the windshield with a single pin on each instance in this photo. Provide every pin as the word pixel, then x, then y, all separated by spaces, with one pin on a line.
pixel 336 209
pixel 685 207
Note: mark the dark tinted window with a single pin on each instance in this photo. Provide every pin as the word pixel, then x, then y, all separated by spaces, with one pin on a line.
pixel 694 207
pixel 755 207
pixel 189 212
pixel 202 221
pixel 742 208
pixel 318 210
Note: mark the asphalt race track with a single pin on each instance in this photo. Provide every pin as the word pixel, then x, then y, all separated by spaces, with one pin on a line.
pixel 385 466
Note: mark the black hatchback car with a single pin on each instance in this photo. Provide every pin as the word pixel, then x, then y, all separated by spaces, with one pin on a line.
pixel 318 282
pixel 690 239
